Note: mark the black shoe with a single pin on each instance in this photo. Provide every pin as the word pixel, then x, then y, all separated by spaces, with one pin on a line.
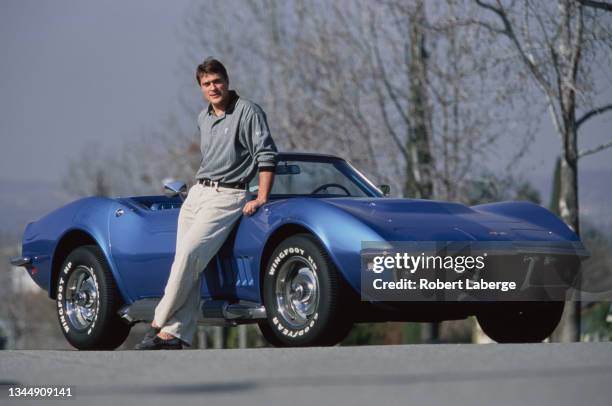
pixel 151 333
pixel 153 342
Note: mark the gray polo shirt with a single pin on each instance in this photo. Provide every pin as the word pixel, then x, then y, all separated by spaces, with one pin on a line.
pixel 235 144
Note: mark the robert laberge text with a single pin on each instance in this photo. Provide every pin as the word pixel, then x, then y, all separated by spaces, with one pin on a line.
pixel 426 284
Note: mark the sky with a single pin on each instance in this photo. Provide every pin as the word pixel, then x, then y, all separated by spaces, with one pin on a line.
pixel 83 73
pixel 77 72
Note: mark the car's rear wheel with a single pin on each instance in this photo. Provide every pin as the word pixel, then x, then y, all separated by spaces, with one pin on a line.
pixel 302 293
pixel 520 322
pixel 87 302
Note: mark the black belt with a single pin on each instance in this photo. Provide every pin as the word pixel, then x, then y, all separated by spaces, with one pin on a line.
pixel 210 182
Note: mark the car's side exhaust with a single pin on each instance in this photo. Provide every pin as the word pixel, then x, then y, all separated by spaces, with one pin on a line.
pixel 213 312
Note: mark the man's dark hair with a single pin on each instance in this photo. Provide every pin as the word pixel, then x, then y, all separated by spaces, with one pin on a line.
pixel 211 65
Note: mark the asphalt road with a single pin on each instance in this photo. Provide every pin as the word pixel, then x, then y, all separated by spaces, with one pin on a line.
pixel 445 374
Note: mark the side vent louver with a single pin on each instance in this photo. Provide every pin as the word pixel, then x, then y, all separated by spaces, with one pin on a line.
pixel 238 271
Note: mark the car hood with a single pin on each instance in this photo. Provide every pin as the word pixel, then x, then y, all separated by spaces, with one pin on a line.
pixel 427 220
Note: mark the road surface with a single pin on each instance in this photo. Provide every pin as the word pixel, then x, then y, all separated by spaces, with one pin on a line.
pixel 443 374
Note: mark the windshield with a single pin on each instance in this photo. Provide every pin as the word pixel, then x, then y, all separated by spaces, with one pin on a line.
pixel 317 178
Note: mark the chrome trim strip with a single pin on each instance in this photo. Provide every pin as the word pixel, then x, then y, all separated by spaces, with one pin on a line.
pixel 21 261
pixel 216 312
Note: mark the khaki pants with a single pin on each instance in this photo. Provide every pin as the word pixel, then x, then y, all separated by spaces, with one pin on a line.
pixel 207 217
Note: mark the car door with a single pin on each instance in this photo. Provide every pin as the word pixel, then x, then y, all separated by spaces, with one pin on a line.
pixel 143 242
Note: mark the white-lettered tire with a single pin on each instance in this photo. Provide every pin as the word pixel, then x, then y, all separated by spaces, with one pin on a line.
pixel 87 301
pixel 302 293
pixel 520 322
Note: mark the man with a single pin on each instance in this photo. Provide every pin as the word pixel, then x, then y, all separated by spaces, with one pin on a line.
pixel 235 144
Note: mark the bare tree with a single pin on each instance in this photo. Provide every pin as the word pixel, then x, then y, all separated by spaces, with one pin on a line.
pixel 420 142
pixel 363 80
pixel 472 111
pixel 596 4
pixel 139 167
pixel 554 43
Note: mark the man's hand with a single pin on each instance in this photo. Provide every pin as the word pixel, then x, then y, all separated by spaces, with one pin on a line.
pixel 252 206
pixel 266 176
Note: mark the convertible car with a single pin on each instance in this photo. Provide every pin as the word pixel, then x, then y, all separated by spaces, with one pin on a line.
pixel 295 267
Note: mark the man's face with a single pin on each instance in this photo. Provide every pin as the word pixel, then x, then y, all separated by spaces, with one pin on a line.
pixel 215 88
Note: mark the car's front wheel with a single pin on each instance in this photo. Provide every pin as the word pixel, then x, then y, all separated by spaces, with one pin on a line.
pixel 302 293
pixel 87 302
pixel 520 322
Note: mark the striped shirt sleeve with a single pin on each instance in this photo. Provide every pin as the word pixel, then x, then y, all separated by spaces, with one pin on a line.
pixel 258 139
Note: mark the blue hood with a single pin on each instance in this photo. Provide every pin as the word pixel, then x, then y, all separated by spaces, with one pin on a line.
pixel 427 220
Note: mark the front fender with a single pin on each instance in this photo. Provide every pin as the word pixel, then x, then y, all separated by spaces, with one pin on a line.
pixel 340 233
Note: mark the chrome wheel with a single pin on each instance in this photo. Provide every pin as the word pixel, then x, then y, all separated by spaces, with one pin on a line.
pixel 297 292
pixel 82 298
pixel 302 292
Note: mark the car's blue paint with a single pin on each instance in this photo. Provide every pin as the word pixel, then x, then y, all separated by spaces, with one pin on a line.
pixel 41 237
pixel 338 231
pixel 139 244
pixel 534 216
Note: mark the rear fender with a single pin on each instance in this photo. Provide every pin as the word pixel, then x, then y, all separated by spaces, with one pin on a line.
pixel 89 226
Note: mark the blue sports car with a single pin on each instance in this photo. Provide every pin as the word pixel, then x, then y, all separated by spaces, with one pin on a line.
pixel 295 267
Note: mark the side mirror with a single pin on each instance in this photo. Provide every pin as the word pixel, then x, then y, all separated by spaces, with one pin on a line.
pixel 173 188
pixel 386 189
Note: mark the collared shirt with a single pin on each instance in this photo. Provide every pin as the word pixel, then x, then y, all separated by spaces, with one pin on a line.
pixel 235 144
